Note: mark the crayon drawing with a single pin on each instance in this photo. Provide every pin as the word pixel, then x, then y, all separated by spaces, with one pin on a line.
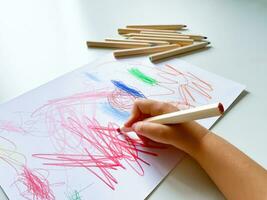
pixel 60 141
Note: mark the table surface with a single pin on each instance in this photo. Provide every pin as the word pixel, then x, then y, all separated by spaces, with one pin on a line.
pixel 41 40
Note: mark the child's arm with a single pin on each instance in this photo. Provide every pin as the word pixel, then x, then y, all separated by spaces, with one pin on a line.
pixel 235 174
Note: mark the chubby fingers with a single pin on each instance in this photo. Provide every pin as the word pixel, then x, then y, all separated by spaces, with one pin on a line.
pixel 135 114
pixel 156 132
pixel 143 108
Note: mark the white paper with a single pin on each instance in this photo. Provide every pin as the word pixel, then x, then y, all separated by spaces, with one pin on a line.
pixel 59 141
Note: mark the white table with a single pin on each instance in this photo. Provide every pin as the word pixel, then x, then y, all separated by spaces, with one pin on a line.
pixel 41 40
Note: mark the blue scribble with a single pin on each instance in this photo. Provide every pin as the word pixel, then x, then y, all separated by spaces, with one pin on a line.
pixel 120 85
pixel 121 115
pixel 91 76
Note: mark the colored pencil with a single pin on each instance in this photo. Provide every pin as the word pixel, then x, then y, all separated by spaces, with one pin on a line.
pixel 121 45
pixel 138 30
pixel 192 36
pixel 177 51
pixel 200 112
pixel 170 40
pixel 160 27
pixel 138 41
pixel 143 50
pixel 156 35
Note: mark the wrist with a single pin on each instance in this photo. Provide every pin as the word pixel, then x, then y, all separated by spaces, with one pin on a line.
pixel 191 138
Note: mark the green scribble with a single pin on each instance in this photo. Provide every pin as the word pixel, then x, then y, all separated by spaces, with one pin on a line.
pixel 141 76
pixel 75 196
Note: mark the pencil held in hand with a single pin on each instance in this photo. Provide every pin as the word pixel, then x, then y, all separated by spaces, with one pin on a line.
pixel 181 116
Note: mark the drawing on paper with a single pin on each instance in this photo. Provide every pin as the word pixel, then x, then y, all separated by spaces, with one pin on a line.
pixel 75 130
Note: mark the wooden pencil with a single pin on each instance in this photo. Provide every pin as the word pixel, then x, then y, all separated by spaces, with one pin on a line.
pixel 156 35
pixel 120 45
pixel 191 114
pixel 170 40
pixel 143 50
pixel 161 33
pixel 160 27
pixel 177 51
pixel 138 41
pixel 195 37
pixel 192 36
pixel 138 30
pixel 200 112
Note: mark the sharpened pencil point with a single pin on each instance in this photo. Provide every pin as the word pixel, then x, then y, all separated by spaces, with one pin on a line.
pixel 118 130
pixel 221 108
pixel 205 37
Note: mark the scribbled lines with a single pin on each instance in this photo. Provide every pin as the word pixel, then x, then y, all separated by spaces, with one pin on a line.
pixel 11 126
pixel 32 184
pixel 189 88
pixel 110 150
pixel 87 144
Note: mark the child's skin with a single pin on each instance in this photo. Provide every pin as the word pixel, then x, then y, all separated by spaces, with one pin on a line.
pixel 235 174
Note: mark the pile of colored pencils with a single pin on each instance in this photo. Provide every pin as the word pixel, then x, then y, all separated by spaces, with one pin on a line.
pixel 157 41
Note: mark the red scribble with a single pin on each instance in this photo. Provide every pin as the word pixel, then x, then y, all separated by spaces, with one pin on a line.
pixel 121 100
pixel 190 87
pixel 32 184
pixel 109 150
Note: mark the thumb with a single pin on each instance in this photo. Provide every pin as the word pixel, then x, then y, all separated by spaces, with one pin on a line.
pixel 156 132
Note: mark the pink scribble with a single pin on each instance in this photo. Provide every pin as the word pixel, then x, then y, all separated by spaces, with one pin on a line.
pixel 34 185
pixel 81 141
pixel 56 112
pixel 10 126
pixel 31 184
pixel 109 150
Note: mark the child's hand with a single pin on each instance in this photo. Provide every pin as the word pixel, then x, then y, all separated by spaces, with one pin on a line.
pixel 235 174
pixel 185 136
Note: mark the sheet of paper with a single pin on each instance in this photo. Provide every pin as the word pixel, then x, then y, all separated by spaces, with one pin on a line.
pixel 59 141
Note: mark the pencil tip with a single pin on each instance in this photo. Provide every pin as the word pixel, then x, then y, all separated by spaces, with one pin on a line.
pixel 118 130
pixel 221 108
pixel 205 37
